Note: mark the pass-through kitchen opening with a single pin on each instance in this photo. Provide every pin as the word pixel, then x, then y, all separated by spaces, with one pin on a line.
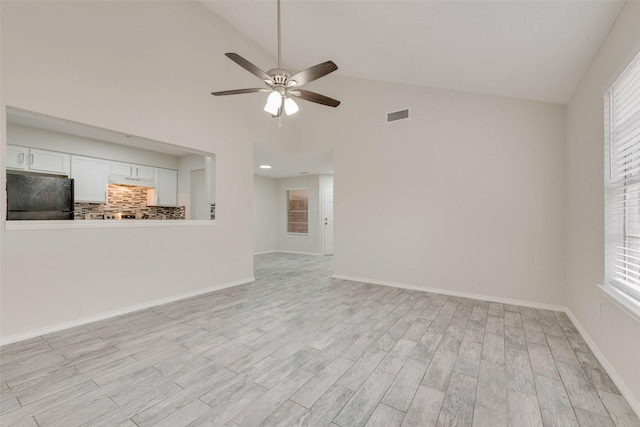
pixel 61 170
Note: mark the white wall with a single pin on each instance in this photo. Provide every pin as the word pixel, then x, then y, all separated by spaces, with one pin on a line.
pixel 265 213
pixel 48 140
pixel 146 69
pixel 471 186
pixel 616 334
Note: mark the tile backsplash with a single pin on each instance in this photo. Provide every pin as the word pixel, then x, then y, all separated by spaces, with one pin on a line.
pixel 124 198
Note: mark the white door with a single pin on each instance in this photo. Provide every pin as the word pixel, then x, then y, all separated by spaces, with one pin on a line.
pixel 327 202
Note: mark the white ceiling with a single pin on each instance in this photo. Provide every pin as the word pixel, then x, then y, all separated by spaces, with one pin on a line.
pixel 536 50
pixel 287 165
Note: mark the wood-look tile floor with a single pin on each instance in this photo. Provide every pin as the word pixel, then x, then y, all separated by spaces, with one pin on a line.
pixel 299 348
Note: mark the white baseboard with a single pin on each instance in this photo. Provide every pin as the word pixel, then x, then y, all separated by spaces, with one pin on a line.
pixel 617 380
pixel 79 322
pixel 300 253
pixel 454 293
pixel 265 252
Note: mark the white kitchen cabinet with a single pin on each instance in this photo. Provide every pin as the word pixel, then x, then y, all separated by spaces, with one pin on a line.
pixel 49 161
pixel 90 179
pixel 130 169
pixel 36 160
pixel 145 172
pixel 17 157
pixel 165 192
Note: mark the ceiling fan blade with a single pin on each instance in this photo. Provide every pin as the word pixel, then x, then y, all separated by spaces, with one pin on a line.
pixel 248 66
pixel 314 97
pixel 239 91
pixel 312 73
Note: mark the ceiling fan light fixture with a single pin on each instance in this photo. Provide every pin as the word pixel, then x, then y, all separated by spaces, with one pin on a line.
pixel 282 83
pixel 274 102
pixel 290 106
pixel 271 109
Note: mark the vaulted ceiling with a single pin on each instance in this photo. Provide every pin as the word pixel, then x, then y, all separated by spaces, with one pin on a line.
pixel 537 50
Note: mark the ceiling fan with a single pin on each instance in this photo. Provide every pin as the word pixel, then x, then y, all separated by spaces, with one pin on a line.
pixel 283 84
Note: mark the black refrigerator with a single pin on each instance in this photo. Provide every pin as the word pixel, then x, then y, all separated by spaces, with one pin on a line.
pixel 39 197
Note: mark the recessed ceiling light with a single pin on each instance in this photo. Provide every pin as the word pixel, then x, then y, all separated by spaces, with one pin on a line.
pixel 265 166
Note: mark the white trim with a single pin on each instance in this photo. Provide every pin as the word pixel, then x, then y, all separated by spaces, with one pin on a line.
pixel 119 312
pixel 454 293
pixel 617 380
pixel 300 253
pixel 297 235
pixel 621 69
pixel 265 252
pixel 123 223
pixel 622 300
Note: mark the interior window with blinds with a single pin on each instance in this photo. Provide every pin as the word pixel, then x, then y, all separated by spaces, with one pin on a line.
pixel 622 182
pixel 298 211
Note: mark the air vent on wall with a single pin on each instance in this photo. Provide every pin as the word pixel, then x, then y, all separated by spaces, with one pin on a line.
pixel 397 115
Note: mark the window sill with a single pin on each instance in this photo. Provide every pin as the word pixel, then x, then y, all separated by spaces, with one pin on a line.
pixel 298 235
pixel 123 223
pixel 622 300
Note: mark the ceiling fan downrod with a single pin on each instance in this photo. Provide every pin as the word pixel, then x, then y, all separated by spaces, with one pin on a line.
pixel 282 84
pixel 279 36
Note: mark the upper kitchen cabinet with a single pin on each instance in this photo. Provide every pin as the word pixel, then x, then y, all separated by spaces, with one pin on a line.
pixel 128 169
pixel 36 160
pixel 165 192
pixel 90 179
pixel 17 157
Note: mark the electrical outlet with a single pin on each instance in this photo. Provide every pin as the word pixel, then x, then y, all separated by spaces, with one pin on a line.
pixel 412 264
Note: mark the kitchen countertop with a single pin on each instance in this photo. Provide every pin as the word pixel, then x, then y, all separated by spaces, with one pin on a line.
pixel 123 223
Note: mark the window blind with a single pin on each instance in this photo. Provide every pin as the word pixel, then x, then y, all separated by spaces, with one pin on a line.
pixel 622 182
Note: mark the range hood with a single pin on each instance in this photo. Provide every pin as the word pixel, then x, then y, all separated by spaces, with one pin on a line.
pixel 130 180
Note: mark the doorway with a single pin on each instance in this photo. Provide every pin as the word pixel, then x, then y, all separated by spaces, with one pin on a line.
pixel 199 208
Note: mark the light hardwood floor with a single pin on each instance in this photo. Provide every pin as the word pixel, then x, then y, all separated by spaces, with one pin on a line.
pixel 299 348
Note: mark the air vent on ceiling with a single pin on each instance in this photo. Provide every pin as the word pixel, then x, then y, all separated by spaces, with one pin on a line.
pixel 397 115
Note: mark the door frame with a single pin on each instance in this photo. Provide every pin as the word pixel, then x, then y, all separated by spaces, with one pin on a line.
pixel 324 248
